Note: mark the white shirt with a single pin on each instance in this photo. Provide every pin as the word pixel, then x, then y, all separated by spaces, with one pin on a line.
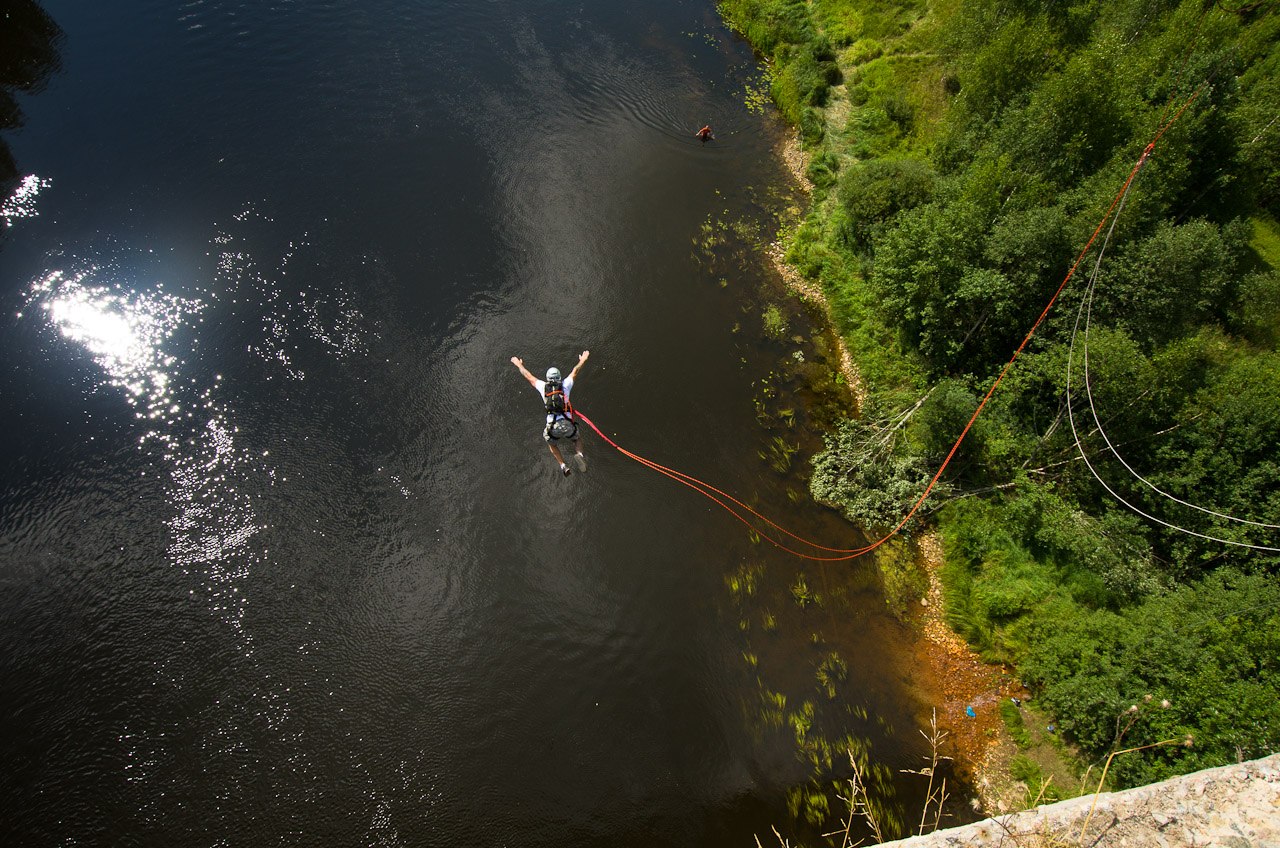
pixel 542 392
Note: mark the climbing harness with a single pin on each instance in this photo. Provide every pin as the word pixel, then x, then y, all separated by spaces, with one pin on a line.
pixel 562 427
pixel 562 424
pixel 553 397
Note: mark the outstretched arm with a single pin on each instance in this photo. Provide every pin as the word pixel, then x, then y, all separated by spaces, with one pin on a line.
pixel 573 375
pixel 519 363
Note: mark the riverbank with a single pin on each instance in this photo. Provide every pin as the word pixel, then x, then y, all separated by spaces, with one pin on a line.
pixel 960 683
pixel 953 175
pixel 947 674
pixel 791 152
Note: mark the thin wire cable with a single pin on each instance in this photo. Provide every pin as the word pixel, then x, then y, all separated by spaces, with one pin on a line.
pixel 850 553
pixel 1084 456
pixel 1075 433
pixel 1182 66
pixel 1089 295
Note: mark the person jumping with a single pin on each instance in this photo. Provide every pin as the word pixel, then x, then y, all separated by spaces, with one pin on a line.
pixel 555 398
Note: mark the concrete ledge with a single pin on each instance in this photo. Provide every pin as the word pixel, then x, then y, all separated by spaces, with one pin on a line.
pixel 1234 806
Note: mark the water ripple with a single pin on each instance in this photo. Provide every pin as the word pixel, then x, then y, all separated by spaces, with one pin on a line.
pixel 145 343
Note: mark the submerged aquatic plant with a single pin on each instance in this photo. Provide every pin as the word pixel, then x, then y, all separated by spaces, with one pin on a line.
pixel 803 595
pixel 779 453
pixel 773 707
pixel 801 721
pixel 775 323
pixel 742 583
pixel 832 671
pixel 756 96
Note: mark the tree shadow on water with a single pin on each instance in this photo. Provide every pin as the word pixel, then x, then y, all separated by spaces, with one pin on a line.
pixel 29 57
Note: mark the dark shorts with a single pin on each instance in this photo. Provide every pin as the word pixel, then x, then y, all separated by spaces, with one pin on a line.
pixel 561 428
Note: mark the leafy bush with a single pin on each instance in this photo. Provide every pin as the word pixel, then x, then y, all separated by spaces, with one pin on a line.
pixel 767 24
pixel 1227 457
pixel 800 80
pixel 874 192
pixel 870 485
pixel 1211 649
pixel 1257 312
pixel 1179 277
pixel 941 420
pixel 1014 560
pixel 822 169
pixel 919 265
pixel 1012 53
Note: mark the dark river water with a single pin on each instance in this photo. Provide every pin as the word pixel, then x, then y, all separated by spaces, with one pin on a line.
pixel 283 559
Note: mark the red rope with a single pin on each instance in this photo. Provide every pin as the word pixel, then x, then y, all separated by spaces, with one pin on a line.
pixel 707 490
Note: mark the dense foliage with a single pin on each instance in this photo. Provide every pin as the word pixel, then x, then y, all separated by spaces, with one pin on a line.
pixel 964 151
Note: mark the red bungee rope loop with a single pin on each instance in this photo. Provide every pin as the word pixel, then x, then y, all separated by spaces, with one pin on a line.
pixel 720 497
pixel 839 554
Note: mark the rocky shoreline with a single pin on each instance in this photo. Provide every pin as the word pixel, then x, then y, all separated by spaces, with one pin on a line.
pixel 961 681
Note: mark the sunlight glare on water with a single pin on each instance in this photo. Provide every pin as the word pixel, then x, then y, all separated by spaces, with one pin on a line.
pixel 125 333
pixel 146 344
pixel 286 558
pixel 22 203
pixel 128 336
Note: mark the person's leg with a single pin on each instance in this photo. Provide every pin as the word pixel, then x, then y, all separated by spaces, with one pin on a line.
pixel 555 451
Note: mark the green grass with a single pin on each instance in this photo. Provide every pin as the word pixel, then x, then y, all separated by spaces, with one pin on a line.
pixel 1014 724
pixel 1266 240
pixel 1043 761
pixel 872 343
pixel 845 21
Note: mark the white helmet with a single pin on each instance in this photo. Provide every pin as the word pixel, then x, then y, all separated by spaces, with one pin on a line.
pixel 553 375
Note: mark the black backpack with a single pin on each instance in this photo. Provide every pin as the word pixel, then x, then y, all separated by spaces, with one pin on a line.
pixel 553 397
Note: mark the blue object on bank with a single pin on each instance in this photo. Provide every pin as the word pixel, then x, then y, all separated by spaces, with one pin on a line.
pixel 969 712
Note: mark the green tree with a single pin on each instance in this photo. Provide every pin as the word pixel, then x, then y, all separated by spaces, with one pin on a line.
pixel 874 192
pixel 1179 277
pixel 1003 56
pixel 860 473
pixel 1226 456
pixel 918 270
pixel 1210 649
